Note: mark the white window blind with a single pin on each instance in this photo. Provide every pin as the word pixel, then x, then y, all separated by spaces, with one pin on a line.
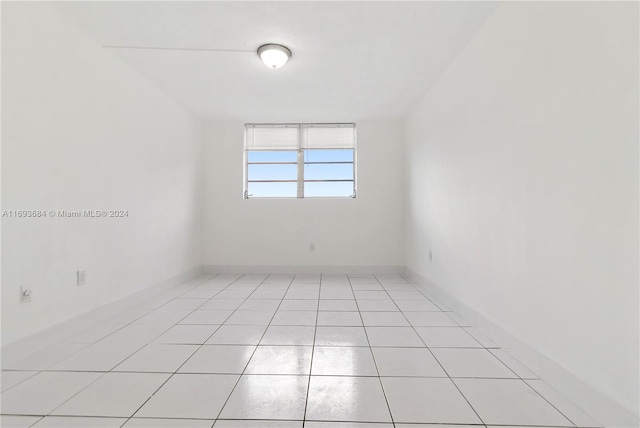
pixel 272 137
pixel 328 136
pixel 303 136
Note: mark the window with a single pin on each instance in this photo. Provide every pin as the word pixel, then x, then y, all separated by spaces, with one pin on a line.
pixel 300 161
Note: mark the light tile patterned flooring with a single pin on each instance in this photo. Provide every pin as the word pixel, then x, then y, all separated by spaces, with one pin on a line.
pixel 319 351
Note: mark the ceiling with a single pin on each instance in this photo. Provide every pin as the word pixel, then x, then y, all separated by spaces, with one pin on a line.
pixel 351 60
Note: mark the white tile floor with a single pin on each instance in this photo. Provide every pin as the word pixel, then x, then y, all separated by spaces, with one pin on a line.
pixel 318 351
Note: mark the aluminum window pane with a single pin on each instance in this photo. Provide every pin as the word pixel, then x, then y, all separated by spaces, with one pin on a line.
pixel 342 155
pixel 328 171
pixel 272 156
pixel 272 190
pixel 327 190
pixel 272 172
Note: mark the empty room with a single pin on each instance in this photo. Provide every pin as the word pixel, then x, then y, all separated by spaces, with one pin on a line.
pixel 320 214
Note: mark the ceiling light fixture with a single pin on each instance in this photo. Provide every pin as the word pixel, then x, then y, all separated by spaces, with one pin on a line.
pixel 274 56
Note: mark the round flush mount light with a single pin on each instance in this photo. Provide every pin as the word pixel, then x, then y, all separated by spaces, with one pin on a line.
pixel 274 56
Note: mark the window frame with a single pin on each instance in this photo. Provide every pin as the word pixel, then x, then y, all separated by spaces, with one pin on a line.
pixel 300 162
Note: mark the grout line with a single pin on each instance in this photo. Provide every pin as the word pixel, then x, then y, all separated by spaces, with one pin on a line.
pixel 256 346
pixel 433 355
pixel 23 380
pixel 41 418
pixel 488 350
pixel 173 374
pixel 503 363
pixel 313 351
pixel 550 403
pixel 375 363
pixel 154 309
pixel 298 374
pixel 332 283
pixel 105 373
pixel 513 370
pixel 434 424
pixel 164 331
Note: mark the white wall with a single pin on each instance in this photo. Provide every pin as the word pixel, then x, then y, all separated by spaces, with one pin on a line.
pixel 522 168
pixel 366 231
pixel 83 131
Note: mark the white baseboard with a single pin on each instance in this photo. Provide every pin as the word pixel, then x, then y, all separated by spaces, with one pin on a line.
pixel 602 408
pixel 22 348
pixel 599 406
pixel 302 270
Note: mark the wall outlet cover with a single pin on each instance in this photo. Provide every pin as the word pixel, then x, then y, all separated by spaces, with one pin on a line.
pixel 25 294
pixel 81 277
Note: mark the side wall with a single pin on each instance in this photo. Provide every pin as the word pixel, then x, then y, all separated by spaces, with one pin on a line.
pixel 82 131
pixel 522 175
pixel 273 233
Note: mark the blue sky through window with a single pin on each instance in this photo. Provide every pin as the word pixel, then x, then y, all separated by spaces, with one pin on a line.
pixel 260 168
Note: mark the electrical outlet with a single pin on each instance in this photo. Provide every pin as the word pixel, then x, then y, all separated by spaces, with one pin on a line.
pixel 312 246
pixel 25 294
pixel 81 277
